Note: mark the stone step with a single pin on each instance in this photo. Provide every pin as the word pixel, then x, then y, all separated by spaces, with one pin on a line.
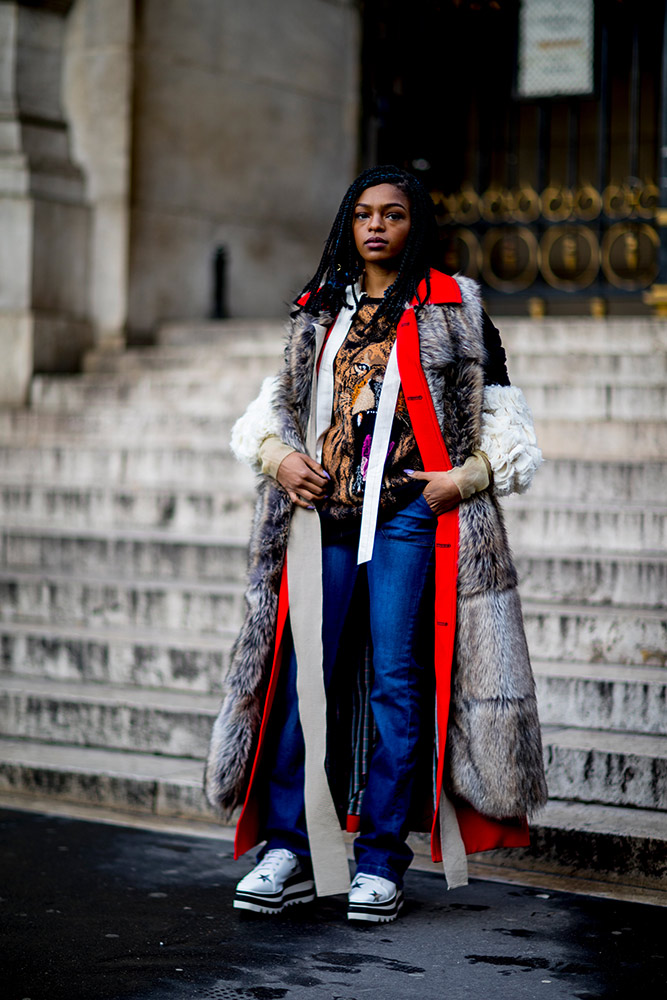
pixel 226 512
pixel 608 440
pixel 626 480
pixel 536 524
pixel 216 333
pixel 602 696
pixel 600 634
pixel 574 368
pixel 621 846
pixel 176 724
pixel 141 658
pixel 115 425
pixel 130 553
pixel 74 461
pixel 612 578
pixel 108 779
pixel 601 400
pixel 565 335
pixel 176 391
pixel 204 359
pixel 608 768
pixel 37 598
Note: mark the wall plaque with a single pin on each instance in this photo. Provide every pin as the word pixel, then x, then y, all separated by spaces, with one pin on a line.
pixel 556 45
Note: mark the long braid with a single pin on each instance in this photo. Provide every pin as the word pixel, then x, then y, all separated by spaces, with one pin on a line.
pixel 340 264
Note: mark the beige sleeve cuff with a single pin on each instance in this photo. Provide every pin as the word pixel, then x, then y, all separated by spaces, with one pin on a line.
pixel 271 453
pixel 473 476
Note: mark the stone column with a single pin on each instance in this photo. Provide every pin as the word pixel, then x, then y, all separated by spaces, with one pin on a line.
pixel 97 97
pixel 44 219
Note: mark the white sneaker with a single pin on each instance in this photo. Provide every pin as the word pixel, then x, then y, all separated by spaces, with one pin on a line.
pixel 374 898
pixel 276 882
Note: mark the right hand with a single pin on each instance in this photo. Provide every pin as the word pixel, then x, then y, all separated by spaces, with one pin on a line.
pixel 304 479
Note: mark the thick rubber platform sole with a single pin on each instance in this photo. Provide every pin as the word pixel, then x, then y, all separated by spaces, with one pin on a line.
pixel 376 913
pixel 289 895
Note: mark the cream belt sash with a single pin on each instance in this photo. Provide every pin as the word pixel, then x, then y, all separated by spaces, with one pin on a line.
pixel 383 421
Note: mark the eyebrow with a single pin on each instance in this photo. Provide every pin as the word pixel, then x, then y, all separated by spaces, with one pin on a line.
pixel 390 204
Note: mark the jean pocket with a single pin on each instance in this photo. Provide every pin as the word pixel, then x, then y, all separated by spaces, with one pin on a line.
pixel 424 504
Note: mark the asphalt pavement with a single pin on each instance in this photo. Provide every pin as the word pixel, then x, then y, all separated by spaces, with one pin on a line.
pixel 92 911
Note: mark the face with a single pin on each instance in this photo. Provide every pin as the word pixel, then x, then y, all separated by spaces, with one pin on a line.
pixel 381 224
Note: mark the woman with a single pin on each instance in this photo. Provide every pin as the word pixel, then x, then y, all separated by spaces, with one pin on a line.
pixel 380 579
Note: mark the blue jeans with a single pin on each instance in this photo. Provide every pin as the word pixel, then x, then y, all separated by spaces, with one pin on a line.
pixel 397 574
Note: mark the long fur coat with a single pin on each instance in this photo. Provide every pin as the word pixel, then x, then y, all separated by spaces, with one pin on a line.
pixel 494 751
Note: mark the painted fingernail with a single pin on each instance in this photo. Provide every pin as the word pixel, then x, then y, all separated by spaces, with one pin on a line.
pixel 326 474
pixel 310 507
pixel 409 472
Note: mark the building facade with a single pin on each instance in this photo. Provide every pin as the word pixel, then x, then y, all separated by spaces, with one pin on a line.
pixel 182 159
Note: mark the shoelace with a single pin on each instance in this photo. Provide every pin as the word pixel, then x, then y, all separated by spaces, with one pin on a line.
pixel 271 862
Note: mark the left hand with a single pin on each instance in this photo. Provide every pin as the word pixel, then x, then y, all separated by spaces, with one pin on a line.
pixel 441 492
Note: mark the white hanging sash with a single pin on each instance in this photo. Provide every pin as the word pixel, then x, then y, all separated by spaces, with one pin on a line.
pixel 378 456
pixel 383 421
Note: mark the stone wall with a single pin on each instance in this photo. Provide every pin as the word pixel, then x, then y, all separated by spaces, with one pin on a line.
pixel 44 218
pixel 244 136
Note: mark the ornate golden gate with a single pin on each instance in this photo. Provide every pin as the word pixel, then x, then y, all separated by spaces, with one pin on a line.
pixel 539 128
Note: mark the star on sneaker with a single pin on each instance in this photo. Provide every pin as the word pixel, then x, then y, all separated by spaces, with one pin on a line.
pixel 276 882
pixel 374 899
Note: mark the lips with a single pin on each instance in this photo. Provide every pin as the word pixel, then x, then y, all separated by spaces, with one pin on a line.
pixel 375 241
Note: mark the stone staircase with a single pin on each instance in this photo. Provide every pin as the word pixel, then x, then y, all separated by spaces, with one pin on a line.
pixel 124 524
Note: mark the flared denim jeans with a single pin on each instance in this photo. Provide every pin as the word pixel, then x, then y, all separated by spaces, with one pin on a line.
pixel 396 575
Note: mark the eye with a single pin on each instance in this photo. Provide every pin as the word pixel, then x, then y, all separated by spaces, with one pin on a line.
pixel 361 215
pixel 395 216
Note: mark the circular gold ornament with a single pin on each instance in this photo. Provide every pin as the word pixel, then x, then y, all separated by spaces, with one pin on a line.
pixel 570 257
pixel 630 255
pixel 648 199
pixel 557 202
pixel 618 200
pixel 460 252
pixel 496 204
pixel 510 258
pixel 467 207
pixel 587 203
pixel 525 204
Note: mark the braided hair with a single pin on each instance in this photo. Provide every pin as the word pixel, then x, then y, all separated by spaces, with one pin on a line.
pixel 341 265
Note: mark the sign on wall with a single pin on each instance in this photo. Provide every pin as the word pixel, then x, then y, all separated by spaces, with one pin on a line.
pixel 556 48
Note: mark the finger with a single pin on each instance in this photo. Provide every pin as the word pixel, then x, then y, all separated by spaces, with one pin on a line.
pixel 296 499
pixel 313 480
pixel 418 475
pixel 316 467
pixel 307 490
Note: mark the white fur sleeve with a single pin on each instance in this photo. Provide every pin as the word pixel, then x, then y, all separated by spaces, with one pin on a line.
pixel 257 423
pixel 508 439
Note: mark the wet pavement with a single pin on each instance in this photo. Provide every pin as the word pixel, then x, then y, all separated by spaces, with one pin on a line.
pixel 91 910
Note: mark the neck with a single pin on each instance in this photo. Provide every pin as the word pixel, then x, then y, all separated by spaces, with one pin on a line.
pixel 377 279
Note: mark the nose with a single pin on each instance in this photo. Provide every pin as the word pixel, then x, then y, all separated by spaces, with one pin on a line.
pixel 377 222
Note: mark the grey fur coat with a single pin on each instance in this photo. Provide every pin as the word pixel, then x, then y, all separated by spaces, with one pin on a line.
pixel 494 751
